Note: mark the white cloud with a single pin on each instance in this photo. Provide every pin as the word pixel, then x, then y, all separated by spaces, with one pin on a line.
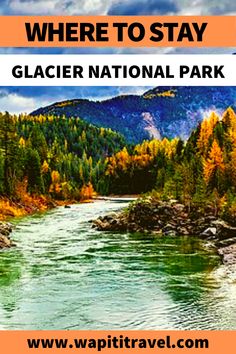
pixel 60 7
pixel 32 7
pixel 12 50
pixel 144 50
pixel 92 7
pixel 210 7
pixel 101 7
pixel 16 104
pixel 134 90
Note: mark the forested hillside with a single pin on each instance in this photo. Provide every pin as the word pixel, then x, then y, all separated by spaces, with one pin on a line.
pixel 56 158
pixel 160 112
pixel 48 156
pixel 200 172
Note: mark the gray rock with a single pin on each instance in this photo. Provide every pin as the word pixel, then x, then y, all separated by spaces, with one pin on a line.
pixel 183 231
pixel 179 207
pixel 170 233
pixel 5 230
pixel 110 216
pixel 224 230
pixel 5 242
pixel 169 227
pixel 114 221
pixel 210 231
pixel 228 254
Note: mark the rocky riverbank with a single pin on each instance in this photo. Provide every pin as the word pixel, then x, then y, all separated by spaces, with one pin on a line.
pixel 149 215
pixel 23 206
pixel 5 230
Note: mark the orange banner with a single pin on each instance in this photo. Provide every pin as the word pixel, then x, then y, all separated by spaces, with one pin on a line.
pixel 120 342
pixel 117 31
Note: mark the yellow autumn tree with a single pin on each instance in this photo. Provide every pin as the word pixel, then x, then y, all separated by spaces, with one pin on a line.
pixel 83 136
pixel 231 167
pixel 206 130
pixel 214 162
pixel 213 120
pixel 22 142
pixel 102 131
pixel 229 124
pixel 122 159
pixel 229 118
pixel 87 192
pixel 45 167
pixel 55 186
pixel 154 147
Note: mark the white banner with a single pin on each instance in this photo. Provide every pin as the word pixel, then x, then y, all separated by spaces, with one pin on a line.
pixel 117 70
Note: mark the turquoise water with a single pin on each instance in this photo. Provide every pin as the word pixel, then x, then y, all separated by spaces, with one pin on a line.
pixel 64 274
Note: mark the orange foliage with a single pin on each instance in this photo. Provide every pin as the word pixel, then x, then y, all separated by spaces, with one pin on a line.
pixel 214 162
pixel 9 209
pixel 87 192
pixel 229 120
pixel 168 93
pixel 231 166
pixel 55 186
pixel 24 203
pixel 144 155
pixel 64 104
pixel 45 167
pixel 22 142
pixel 207 127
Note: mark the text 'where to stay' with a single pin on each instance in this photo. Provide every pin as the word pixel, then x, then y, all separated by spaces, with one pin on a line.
pixel 101 31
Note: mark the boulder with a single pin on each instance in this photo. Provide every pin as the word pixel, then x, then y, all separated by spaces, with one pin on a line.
pixel 179 207
pixel 169 227
pixel 5 228
pixel 5 242
pixel 100 224
pixel 228 254
pixel 110 217
pixel 182 231
pixel 170 233
pixel 210 231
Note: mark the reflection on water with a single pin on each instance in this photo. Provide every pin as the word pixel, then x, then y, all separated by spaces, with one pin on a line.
pixel 10 274
pixel 64 274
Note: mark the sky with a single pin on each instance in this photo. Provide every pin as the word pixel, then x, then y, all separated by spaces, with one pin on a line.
pixel 25 99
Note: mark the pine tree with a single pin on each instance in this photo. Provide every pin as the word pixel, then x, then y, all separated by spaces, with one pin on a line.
pixel 55 187
pixel 38 142
pixel 214 166
pixel 200 196
pixel 1 175
pixel 9 149
pixel 34 173
pixel 229 118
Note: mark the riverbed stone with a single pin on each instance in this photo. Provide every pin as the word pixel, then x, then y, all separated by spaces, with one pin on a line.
pixel 224 230
pixel 210 231
pixel 228 254
pixel 169 232
pixel 169 218
pixel 5 242
pixel 183 231
pixel 179 207
pixel 5 230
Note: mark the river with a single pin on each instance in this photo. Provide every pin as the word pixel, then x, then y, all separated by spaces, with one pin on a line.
pixel 65 275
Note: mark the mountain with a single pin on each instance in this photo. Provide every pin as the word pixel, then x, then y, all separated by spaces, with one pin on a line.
pixel 162 111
